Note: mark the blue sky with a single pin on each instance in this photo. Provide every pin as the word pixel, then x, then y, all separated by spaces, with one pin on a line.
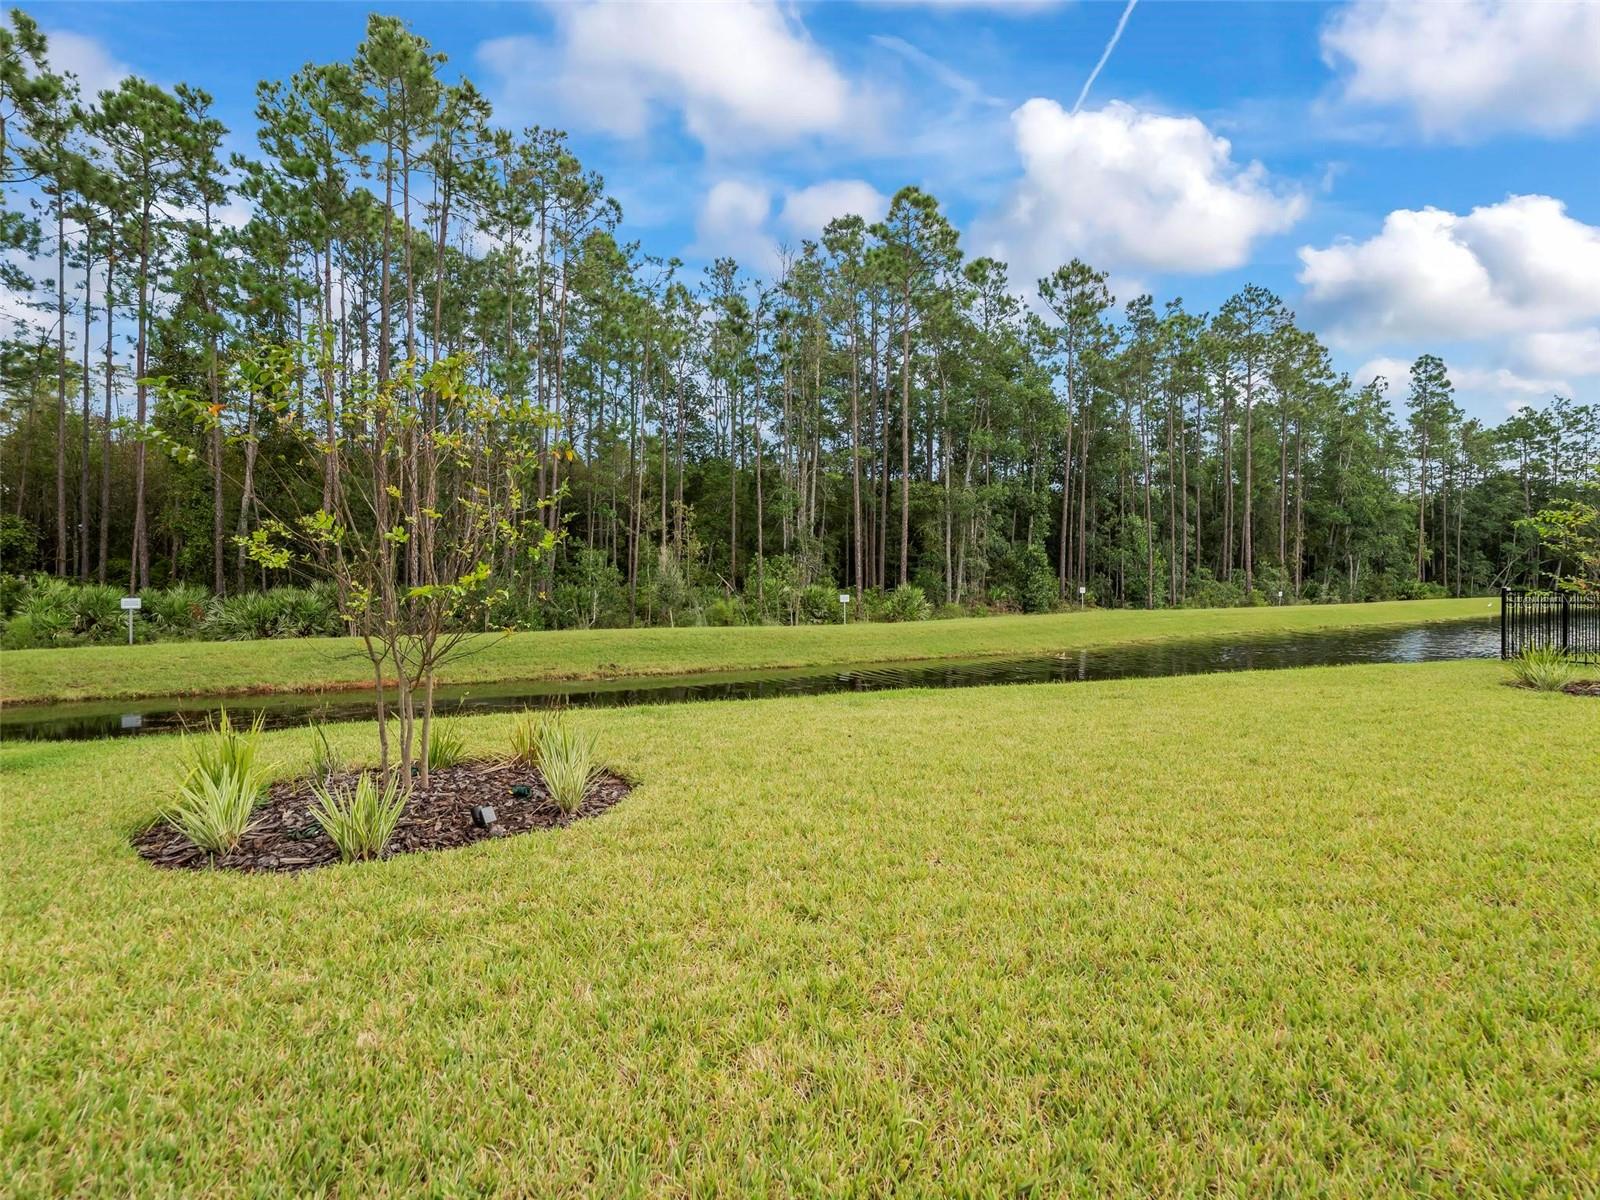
pixel 1408 177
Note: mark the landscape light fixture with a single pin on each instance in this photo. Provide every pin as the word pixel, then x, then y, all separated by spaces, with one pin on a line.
pixel 483 815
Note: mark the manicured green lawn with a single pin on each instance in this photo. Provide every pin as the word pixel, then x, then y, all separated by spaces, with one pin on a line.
pixel 310 664
pixel 1329 932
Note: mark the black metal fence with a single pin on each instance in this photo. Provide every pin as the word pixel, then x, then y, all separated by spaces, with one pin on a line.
pixel 1561 619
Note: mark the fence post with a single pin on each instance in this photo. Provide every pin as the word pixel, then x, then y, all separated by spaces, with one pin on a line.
pixel 1505 599
pixel 1566 622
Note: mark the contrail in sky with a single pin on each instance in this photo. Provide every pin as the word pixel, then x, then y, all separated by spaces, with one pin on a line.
pixel 1110 46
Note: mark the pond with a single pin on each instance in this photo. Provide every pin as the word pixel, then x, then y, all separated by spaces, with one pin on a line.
pixel 1426 643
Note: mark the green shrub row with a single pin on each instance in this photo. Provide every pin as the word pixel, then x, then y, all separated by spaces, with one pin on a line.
pixel 45 611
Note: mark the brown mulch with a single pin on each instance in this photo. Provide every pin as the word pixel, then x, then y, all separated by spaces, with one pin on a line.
pixel 1583 687
pixel 285 838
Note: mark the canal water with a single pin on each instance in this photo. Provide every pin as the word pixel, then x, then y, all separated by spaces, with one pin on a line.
pixel 1426 643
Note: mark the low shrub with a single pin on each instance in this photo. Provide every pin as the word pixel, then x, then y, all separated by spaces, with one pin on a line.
pixel 1207 591
pixel 305 612
pixel 13 590
pixel 97 614
pixel 281 612
pixel 241 618
pixel 18 634
pixel 359 818
pixel 177 611
pixel 1544 668
pixel 48 609
pixel 819 605
pixel 724 611
pixel 907 602
pixel 567 761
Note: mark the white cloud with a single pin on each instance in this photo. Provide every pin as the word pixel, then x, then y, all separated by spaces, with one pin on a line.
pixel 1476 387
pixel 732 221
pixel 1472 67
pixel 807 210
pixel 1394 371
pixel 1513 289
pixel 741 72
pixel 745 219
pixel 1503 382
pixel 1124 188
pixel 95 67
pixel 1567 352
pixel 1520 266
pixel 1008 7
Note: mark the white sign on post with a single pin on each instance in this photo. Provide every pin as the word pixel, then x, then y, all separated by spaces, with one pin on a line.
pixel 131 605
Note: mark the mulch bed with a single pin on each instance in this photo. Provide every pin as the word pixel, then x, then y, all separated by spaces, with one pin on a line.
pixel 1583 687
pixel 285 838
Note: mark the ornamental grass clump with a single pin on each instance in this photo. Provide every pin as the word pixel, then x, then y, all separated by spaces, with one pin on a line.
pixel 567 761
pixel 526 732
pixel 447 743
pixel 325 760
pixel 222 783
pixel 359 818
pixel 1544 668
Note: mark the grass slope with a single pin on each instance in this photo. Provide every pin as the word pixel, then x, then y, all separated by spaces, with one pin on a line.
pixel 312 664
pixel 1323 932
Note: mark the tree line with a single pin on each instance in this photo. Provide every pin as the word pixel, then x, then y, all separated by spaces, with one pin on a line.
pixel 882 412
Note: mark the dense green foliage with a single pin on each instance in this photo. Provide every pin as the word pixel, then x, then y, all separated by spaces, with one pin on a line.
pixel 46 611
pixel 884 413
pixel 1259 934
pixel 317 664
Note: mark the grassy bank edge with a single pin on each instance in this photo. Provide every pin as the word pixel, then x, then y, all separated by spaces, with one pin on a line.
pixel 336 664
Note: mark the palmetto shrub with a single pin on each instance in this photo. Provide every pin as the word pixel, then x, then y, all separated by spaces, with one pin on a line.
pixel 304 612
pixel 223 780
pixel 177 611
pixel 360 818
pixel 1544 668
pixel 907 602
pixel 281 612
pixel 242 617
pixel 97 612
pixel 49 610
pixel 567 762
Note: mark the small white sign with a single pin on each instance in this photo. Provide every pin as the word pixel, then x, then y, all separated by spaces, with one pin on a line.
pixel 844 597
pixel 132 603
